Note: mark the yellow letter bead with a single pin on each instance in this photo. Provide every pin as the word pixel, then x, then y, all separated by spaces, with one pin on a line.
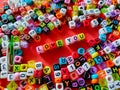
pixel 47 70
pixel 1 88
pixel 12 86
pixel 59 43
pixel 43 87
pixel 29 87
pixel 31 80
pixel 81 36
pixel 91 62
pixel 31 64
pixel 118 28
pixel 46 46
pixel 23 67
pixel 111 56
pixel 94 54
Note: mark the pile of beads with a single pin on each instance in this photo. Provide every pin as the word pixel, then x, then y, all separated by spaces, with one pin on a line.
pixel 24 20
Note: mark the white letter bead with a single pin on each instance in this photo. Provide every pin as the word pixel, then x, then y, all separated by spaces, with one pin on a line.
pixel 71 67
pixel 9 11
pixel 27 17
pixel 75 38
pixel 94 23
pixel 4 27
pixel 68 41
pixel 109 78
pixel 59 86
pixel 4 67
pixel 4 74
pixel 30 12
pixel 30 72
pixel 108 71
pixel 102 31
pixel 3 59
pixel 107 14
pixel 38 65
pixel 116 61
pixel 57 23
pixel 41 18
pixel 81 7
pixel 16 45
pixel 39 49
pixel 111 86
pixel 117 84
pixel 88 1
pixel 23 75
pixel 75 18
pixel 63 11
pixel 32 33
pixel 116 43
pixel 82 18
pixel 96 11
pixel 57 74
pixel 10 77
pixel 72 24
pixel 5 44
pixel 86 66
pixel 107 50
pixel 104 23
pixel 5 38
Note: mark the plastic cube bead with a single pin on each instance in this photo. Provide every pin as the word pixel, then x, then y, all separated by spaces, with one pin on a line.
pixel 71 67
pixel 98 60
pixel 59 43
pixel 81 36
pixel 17 59
pixel 70 59
pixel 23 75
pixel 51 26
pixel 39 49
pixel 62 61
pixel 74 76
pixel 72 24
pixel 57 74
pixel 86 66
pixel 68 41
pixel 81 51
pixel 30 72
pixel 31 80
pixel 46 47
pixel 37 73
pixel 38 65
pixel 16 68
pixel 80 70
pixel 47 70
pixel 59 86
pixel 102 37
pixel 81 82
pixel 23 67
pixel 56 67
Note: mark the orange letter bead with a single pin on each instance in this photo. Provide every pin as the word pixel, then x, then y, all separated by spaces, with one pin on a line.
pixel 29 87
pixel 46 46
pixel 58 80
pixel 94 81
pixel 101 74
pixel 59 15
pixel 109 63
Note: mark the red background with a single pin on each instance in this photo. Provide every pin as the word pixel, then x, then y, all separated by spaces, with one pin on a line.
pixel 52 56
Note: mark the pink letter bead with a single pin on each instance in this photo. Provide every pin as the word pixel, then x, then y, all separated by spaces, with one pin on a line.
pixel 17 76
pixel 17 59
pixel 80 70
pixel 39 49
pixel 70 59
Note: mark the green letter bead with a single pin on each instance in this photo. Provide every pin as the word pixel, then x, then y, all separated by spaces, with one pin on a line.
pixel 12 85
pixel 51 26
pixel 16 39
pixel 102 82
pixel 59 43
pixel 97 87
pixel 116 76
pixel 104 88
pixel 16 68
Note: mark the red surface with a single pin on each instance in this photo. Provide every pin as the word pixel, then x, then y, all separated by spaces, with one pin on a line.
pixel 51 57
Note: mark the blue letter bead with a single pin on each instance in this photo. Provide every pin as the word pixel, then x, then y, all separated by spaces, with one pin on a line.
pixel 98 60
pixel 81 51
pixel 108 29
pixel 91 50
pixel 94 76
pixel 56 67
pixel 102 37
pixel 38 30
pixel 62 61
